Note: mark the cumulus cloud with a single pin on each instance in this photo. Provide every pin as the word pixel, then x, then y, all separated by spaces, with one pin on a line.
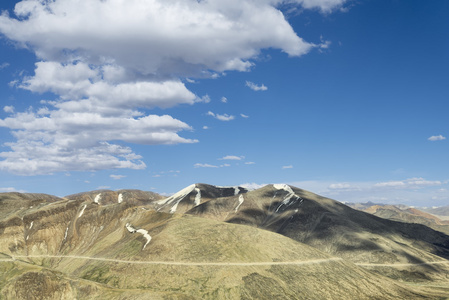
pixel 106 61
pixel 76 141
pixel 224 117
pixel 436 138
pixel 256 87
pixel 224 100
pixel 154 37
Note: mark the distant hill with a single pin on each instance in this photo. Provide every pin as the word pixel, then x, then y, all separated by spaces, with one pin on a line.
pixel 98 245
pixel 440 211
pixel 410 215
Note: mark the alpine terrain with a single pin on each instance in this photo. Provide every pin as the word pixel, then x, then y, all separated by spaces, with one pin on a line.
pixel 209 242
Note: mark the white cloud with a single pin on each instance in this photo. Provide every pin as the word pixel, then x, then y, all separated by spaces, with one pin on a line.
pixel 117 177
pixel 198 165
pixel 256 87
pixel 250 163
pixel 205 127
pixel 154 37
pixel 8 109
pixel 436 138
pixel 325 6
pixel 64 141
pixel 232 157
pixel 224 100
pixel 224 117
pixel 244 116
pixel 4 65
pixel 287 167
pixel 105 60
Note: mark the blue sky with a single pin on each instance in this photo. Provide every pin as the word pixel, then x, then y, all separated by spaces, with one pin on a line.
pixel 348 99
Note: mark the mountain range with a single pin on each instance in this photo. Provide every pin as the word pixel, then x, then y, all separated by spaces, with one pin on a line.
pixel 210 242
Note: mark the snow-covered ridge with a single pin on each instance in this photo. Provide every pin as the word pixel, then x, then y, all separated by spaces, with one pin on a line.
pixel 174 200
pixel 120 198
pixel 141 231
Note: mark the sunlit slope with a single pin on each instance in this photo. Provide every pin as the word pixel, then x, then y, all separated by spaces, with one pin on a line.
pixel 118 249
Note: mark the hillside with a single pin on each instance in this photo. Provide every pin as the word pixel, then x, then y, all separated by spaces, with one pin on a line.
pixel 337 229
pixel 85 247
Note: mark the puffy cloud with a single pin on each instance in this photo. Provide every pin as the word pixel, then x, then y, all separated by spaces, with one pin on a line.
pixel 8 109
pixel 224 100
pixel 224 117
pixel 66 141
pixel 105 60
pixel 80 81
pixel 256 87
pixel 154 37
pixel 436 138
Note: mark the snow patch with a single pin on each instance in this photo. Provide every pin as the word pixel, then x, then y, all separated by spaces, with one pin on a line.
pixel 97 198
pixel 145 235
pixel 141 231
pixel 120 198
pixel 67 230
pixel 31 225
pixel 82 211
pixel 236 190
pixel 284 187
pixel 197 197
pixel 241 199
